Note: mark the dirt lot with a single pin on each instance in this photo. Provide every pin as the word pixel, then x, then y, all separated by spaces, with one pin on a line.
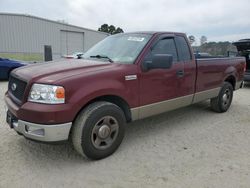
pixel 191 147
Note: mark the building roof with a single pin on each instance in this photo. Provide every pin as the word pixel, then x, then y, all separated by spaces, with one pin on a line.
pixel 45 19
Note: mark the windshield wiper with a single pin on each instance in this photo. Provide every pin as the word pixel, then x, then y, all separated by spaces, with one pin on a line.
pixel 102 57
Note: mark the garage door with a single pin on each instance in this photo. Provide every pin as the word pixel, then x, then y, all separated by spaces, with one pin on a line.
pixel 71 42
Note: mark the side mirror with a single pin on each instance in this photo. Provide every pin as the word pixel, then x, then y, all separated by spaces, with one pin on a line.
pixel 159 61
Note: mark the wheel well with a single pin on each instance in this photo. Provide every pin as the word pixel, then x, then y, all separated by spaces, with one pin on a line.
pixel 117 101
pixel 231 80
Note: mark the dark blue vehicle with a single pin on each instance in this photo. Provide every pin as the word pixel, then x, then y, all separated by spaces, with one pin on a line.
pixel 7 65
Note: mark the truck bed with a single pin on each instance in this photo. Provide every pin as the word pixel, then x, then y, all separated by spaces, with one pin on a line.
pixel 209 76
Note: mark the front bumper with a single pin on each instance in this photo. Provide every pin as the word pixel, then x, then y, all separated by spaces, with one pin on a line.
pixel 40 132
pixel 41 113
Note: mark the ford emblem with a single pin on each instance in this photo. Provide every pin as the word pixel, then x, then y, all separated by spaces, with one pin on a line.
pixel 13 87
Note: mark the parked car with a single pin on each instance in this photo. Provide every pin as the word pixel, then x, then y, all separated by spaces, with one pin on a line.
pixel 76 55
pixel 7 65
pixel 243 47
pixel 123 78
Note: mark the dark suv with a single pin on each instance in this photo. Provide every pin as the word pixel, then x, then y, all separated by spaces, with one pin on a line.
pixel 243 47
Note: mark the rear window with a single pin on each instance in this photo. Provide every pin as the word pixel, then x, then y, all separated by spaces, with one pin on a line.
pixel 183 49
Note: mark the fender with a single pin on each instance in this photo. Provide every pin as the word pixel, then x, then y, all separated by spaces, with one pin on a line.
pixel 230 72
pixel 90 91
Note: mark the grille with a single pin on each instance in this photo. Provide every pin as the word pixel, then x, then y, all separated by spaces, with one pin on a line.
pixel 17 87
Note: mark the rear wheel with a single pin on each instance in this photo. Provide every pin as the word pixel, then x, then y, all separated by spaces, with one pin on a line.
pixel 98 130
pixel 222 102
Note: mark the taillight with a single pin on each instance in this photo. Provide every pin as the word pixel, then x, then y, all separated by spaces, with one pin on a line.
pixel 245 67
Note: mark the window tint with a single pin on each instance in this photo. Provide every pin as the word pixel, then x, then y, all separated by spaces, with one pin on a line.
pixel 166 46
pixel 183 49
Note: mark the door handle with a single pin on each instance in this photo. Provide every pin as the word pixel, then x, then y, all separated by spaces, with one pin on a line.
pixel 180 73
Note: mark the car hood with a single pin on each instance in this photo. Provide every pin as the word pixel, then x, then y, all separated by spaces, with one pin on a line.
pixel 53 71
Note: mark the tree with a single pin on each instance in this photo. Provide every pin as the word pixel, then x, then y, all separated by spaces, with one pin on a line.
pixel 111 29
pixel 216 48
pixel 203 40
pixel 191 39
pixel 104 28
pixel 118 30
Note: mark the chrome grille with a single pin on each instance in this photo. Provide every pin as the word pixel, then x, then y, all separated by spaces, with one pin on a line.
pixel 16 87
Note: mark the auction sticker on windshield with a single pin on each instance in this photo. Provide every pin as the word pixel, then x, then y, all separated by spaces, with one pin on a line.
pixel 137 39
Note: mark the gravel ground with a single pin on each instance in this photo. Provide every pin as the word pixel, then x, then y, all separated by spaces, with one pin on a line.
pixel 190 147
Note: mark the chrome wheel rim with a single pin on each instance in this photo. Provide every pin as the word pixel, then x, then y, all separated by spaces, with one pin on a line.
pixel 226 98
pixel 105 132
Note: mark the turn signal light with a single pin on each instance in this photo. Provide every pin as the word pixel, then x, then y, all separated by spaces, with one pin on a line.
pixel 60 93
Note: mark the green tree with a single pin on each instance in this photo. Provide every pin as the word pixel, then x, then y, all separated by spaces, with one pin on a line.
pixel 111 29
pixel 191 39
pixel 118 30
pixel 216 48
pixel 104 28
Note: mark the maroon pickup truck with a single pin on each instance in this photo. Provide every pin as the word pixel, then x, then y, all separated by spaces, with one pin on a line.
pixel 123 78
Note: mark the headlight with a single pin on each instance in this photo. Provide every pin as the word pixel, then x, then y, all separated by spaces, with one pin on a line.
pixel 48 94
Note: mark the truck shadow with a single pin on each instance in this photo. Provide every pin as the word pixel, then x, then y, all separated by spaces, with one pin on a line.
pixel 163 123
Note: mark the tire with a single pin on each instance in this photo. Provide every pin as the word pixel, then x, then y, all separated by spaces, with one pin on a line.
pixel 222 102
pixel 98 130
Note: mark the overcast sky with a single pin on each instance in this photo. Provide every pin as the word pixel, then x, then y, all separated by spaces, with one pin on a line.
pixel 219 20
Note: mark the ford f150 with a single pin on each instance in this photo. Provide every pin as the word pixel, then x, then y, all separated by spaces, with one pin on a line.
pixel 123 78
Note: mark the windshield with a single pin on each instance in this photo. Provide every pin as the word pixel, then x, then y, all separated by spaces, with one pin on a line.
pixel 121 48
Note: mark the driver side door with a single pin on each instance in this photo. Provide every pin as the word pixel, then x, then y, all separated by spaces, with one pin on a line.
pixel 159 87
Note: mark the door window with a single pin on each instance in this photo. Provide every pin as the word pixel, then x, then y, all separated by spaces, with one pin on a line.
pixel 183 49
pixel 164 46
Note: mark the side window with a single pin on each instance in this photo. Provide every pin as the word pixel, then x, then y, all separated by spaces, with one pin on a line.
pixel 183 49
pixel 164 46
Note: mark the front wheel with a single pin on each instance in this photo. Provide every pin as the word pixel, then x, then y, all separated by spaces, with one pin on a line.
pixel 222 102
pixel 98 130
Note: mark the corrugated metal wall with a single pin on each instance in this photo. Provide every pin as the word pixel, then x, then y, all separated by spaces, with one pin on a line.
pixel 28 34
pixel 71 42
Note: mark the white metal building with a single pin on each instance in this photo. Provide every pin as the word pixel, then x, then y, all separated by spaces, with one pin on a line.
pixel 25 35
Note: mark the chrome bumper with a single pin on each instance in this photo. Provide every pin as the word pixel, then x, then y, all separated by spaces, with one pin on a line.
pixel 40 132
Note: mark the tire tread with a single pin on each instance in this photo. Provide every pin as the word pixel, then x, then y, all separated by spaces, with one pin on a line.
pixel 80 121
pixel 215 102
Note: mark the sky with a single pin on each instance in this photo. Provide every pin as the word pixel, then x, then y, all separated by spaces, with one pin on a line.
pixel 218 20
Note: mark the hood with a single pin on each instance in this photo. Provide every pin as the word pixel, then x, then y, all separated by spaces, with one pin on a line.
pixel 50 72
